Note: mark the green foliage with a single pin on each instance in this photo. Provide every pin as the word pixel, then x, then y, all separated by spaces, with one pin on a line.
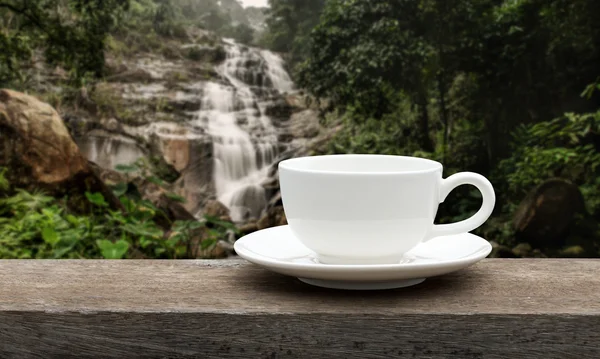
pixel 473 84
pixel 72 33
pixel 171 18
pixel 34 225
pixel 4 184
pixel 565 147
pixel 290 24
pixel 110 250
pixel 242 33
pixel 361 51
pixel 391 135
pixel 519 67
pixel 16 52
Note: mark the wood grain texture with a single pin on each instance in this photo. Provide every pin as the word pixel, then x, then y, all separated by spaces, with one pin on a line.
pixel 499 308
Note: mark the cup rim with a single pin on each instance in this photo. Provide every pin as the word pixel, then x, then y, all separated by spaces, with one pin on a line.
pixel 292 164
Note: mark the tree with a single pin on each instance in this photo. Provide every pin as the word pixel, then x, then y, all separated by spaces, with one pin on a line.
pixel 363 52
pixel 289 25
pixel 72 33
pixel 521 62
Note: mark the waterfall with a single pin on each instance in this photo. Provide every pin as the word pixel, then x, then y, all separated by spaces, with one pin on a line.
pixel 221 128
pixel 244 138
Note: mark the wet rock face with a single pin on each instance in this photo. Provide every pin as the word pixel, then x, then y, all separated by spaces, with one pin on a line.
pixel 273 217
pixel 205 53
pixel 279 110
pixel 109 150
pixel 218 117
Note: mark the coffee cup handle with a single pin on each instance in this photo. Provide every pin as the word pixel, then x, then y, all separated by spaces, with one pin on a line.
pixel 489 199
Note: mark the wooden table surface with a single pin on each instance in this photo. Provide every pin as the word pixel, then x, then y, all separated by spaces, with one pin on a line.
pixel 498 308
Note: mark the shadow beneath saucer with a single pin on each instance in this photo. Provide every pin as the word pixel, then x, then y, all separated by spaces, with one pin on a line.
pixel 266 282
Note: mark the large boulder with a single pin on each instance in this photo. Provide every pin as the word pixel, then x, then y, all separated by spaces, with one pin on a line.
pixel 305 124
pixel 544 217
pixel 39 153
pixel 36 145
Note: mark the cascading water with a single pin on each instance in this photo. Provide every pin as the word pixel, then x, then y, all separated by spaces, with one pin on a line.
pixel 244 138
pixel 232 118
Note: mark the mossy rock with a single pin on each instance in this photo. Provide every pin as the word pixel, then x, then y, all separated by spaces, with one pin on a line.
pixel 546 215
pixel 522 250
pixel 573 252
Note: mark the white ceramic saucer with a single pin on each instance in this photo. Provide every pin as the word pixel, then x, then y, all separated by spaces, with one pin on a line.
pixel 278 250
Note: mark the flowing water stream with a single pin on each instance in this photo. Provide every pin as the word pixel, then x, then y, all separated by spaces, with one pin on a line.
pixel 233 116
pixel 244 138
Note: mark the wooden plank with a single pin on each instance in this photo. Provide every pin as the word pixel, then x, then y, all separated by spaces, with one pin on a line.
pixel 499 308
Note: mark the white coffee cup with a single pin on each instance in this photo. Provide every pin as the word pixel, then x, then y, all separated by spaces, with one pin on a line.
pixel 371 209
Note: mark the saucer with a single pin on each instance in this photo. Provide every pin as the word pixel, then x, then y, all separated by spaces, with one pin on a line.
pixel 278 250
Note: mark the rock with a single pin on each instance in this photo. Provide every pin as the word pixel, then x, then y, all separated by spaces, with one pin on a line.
pixel 248 228
pixel 274 217
pixel 500 251
pixel 174 209
pixel 111 124
pixel 279 110
pixel 271 186
pixel 272 182
pixel 135 75
pixel 79 125
pixel 248 202
pixel 573 252
pixel 109 150
pixel 214 208
pixel 193 159
pixel 39 153
pixel 175 148
pixel 182 104
pixel 285 137
pixel 545 216
pixel 305 124
pixel 522 250
pixel 220 250
pixel 34 139
pixel 203 53
pixel 311 131
pixel 296 100
pixel 536 253
pixel 276 200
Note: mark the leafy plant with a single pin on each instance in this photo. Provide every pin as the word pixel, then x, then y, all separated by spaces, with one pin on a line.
pixel 34 225
pixel 563 147
pixel 113 250
pixel 72 33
